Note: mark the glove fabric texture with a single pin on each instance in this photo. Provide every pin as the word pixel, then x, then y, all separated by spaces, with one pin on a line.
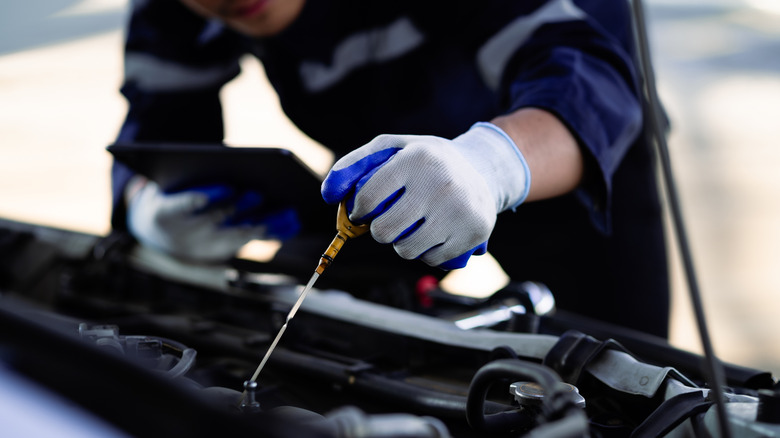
pixel 206 224
pixel 433 199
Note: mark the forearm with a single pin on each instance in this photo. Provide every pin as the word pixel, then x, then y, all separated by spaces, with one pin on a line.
pixel 551 151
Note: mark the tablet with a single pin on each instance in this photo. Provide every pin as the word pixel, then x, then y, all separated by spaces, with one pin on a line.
pixel 277 173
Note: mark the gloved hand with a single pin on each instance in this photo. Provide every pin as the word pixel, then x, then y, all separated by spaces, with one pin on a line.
pixel 432 198
pixel 208 224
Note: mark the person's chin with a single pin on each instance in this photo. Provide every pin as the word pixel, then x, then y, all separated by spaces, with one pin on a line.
pixel 251 28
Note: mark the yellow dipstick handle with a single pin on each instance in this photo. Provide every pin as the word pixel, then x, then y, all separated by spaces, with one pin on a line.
pixel 345 229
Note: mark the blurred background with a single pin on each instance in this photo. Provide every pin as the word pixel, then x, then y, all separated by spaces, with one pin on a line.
pixel 717 64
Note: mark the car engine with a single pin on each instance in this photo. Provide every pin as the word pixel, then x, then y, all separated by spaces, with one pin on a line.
pixel 110 339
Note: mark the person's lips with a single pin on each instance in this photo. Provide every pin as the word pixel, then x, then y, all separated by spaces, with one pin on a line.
pixel 249 9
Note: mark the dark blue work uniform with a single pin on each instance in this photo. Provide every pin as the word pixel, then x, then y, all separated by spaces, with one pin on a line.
pixel 346 71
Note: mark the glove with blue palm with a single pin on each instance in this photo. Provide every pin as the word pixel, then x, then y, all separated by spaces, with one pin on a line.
pixel 434 199
pixel 207 224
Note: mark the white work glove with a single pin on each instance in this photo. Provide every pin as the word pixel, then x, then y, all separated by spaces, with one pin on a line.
pixel 434 199
pixel 205 224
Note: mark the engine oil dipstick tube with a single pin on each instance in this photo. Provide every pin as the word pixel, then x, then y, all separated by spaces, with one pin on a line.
pixel 345 229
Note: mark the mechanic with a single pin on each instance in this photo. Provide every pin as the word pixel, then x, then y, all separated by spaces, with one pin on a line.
pixel 454 121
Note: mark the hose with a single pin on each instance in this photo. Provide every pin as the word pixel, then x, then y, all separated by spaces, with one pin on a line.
pixel 556 402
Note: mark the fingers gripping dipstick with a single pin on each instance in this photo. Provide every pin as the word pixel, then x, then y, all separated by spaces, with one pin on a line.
pixel 345 229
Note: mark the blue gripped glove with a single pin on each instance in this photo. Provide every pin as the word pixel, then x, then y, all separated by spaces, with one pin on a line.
pixel 434 199
pixel 207 224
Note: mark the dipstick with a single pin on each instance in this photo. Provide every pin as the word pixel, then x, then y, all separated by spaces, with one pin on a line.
pixel 345 229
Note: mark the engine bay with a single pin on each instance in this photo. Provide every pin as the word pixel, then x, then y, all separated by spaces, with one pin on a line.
pixel 148 346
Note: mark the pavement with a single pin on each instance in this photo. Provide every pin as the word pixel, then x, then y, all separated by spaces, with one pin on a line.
pixel 718 73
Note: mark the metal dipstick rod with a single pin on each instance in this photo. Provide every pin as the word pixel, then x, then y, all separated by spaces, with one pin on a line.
pixel 345 229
